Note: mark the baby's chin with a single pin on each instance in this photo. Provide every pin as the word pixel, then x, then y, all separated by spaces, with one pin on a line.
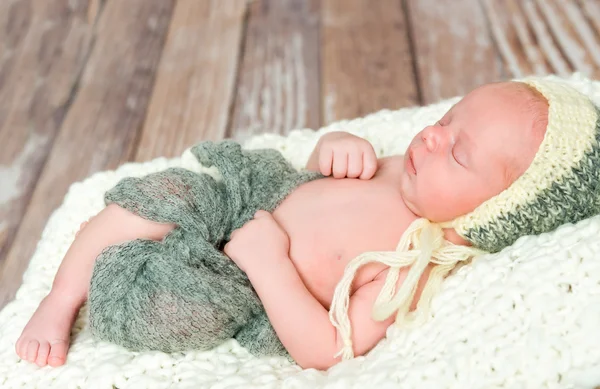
pixel 405 194
pixel 449 233
pixel 434 215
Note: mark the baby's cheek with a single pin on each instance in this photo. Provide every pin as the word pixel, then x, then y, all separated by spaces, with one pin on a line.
pixel 435 208
pixel 423 197
pixel 465 201
pixel 440 201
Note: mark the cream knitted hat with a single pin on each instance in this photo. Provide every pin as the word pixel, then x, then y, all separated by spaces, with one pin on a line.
pixel 560 186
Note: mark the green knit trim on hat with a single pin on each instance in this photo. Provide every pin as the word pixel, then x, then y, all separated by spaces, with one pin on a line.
pixel 575 197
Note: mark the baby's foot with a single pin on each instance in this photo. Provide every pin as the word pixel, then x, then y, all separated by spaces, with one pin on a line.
pixel 45 339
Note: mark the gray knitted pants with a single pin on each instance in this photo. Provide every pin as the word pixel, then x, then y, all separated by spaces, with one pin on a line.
pixel 183 293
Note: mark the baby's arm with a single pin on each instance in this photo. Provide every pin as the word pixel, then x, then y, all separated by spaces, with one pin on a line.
pixel 302 323
pixel 261 249
pixel 342 155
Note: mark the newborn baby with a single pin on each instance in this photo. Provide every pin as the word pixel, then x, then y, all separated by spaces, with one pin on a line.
pixel 295 256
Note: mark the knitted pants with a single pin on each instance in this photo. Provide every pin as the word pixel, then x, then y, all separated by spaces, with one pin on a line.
pixel 183 293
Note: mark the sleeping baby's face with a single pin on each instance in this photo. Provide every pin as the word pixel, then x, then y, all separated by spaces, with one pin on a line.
pixel 475 151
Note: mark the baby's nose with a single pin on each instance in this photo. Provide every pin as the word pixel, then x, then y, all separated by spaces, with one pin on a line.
pixel 436 136
pixel 431 137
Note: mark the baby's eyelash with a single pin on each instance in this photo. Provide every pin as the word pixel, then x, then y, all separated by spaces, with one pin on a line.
pixel 455 159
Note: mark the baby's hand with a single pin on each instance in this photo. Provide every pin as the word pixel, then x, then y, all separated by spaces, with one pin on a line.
pixel 346 155
pixel 260 239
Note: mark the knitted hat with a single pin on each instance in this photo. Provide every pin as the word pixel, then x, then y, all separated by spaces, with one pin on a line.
pixel 560 186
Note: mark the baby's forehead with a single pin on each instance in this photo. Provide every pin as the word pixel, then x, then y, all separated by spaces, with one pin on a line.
pixel 501 91
pixel 512 123
pixel 508 97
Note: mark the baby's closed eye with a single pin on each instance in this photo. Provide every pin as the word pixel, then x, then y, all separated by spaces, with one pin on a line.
pixel 458 156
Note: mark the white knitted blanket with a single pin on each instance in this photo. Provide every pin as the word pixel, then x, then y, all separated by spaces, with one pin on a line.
pixel 528 317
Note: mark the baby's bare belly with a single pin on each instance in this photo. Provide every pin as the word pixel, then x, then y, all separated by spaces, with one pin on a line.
pixel 331 221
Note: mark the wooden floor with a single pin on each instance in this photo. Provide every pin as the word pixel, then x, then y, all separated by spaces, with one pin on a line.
pixel 86 85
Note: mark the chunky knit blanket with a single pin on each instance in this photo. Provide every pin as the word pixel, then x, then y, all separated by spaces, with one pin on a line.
pixel 527 317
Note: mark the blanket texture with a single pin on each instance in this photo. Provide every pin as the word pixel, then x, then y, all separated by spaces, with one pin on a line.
pixel 183 293
pixel 526 317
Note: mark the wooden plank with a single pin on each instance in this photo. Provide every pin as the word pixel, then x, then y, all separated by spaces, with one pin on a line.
pixel 99 130
pixel 514 40
pixel 278 88
pixel 544 40
pixel 562 32
pixel 43 47
pixel 575 35
pixel 453 50
pixel 367 62
pixel 546 36
pixel 15 22
pixel 591 11
pixel 195 80
pixel 94 8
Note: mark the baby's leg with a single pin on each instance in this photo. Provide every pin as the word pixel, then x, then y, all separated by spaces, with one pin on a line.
pixel 176 295
pixel 260 338
pixel 45 338
pixel 181 293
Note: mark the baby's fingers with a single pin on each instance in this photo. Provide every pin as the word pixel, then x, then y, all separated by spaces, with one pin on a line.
pixel 369 162
pixel 340 165
pixel 326 161
pixel 355 164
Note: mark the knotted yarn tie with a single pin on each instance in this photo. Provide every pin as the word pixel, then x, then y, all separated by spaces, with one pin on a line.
pixel 422 243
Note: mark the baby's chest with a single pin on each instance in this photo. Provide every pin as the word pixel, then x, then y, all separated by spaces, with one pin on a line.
pixel 327 229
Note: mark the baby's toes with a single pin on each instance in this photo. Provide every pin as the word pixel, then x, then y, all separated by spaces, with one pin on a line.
pixel 58 353
pixel 42 354
pixel 32 350
pixel 19 348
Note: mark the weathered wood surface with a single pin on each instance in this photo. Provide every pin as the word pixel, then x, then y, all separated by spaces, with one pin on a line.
pixel 43 48
pixel 366 58
pixel 278 87
pixel 100 129
pixel 546 36
pixel 195 80
pixel 453 51
pixel 88 84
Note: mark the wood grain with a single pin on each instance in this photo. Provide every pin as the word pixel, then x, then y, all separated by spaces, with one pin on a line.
pixel 43 47
pixel 573 34
pixel 514 40
pixel 591 10
pixel 453 48
pixel 367 62
pixel 99 131
pixel 278 88
pixel 196 78
pixel 543 37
